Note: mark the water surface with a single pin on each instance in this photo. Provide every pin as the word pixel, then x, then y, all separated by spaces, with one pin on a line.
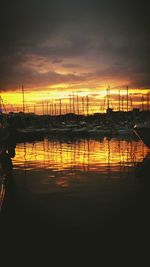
pixel 79 182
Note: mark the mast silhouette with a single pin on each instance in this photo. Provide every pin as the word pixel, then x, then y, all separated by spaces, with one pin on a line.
pixel 108 97
pixel 23 99
pixel 82 105
pixel 127 98
pixel 87 105
pixel 60 108
pixel 77 105
pixel 119 100
pixel 142 102
pixel 148 101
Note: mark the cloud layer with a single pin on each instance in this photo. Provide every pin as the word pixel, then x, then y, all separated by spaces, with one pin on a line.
pixel 49 42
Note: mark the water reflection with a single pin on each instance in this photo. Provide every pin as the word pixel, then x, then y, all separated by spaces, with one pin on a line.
pixel 82 186
pixel 66 163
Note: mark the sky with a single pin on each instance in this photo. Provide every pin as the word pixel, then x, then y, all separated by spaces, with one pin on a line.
pixel 55 47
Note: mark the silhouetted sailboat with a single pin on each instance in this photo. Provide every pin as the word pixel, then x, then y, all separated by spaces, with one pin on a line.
pixel 142 130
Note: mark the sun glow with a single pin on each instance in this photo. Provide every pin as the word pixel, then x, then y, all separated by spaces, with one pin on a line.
pixel 72 93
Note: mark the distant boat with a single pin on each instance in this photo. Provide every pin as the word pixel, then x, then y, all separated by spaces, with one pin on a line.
pixel 124 130
pixel 29 134
pixel 142 130
pixel 99 130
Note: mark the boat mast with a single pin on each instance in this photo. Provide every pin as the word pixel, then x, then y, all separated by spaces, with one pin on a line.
pixel 27 107
pixel 148 101
pixel 23 100
pixel 131 103
pixel 108 97
pixel 77 105
pixel 60 107
pixel 47 107
pixel 66 108
pixel 0 103
pixel 83 105
pixel 127 99
pixel 122 102
pixel 119 99
pixel 87 105
pixel 70 102
pixel 34 108
pixel 43 107
pixel 73 106
pixel 142 102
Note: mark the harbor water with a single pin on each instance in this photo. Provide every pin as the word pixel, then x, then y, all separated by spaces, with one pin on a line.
pixel 80 187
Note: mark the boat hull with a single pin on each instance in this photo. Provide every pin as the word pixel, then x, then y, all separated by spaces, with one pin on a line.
pixel 144 135
pixel 27 136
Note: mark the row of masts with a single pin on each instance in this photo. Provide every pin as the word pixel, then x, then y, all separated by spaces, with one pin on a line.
pixel 80 105
pixel 120 100
pixel 76 105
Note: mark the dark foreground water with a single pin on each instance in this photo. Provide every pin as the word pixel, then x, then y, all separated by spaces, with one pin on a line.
pixel 74 195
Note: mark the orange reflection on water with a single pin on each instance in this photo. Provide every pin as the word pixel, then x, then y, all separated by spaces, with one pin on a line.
pixel 52 164
pixel 79 154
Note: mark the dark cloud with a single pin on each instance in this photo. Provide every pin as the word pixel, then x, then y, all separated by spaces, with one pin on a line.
pixel 57 60
pixel 30 79
pixel 71 65
pixel 110 37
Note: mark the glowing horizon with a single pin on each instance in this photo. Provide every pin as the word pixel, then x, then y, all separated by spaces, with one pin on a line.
pixel 35 98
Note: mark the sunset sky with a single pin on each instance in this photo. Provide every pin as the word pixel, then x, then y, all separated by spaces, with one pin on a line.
pixel 58 47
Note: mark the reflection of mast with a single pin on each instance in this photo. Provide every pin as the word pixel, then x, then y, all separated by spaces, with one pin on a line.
pixel 25 166
pixel 109 165
pixel 88 154
pixel 120 158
